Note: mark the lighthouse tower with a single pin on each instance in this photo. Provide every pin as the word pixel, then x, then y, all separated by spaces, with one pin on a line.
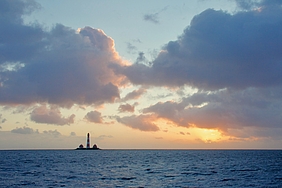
pixel 88 141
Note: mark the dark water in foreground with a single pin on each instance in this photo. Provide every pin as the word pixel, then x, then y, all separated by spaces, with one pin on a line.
pixel 141 168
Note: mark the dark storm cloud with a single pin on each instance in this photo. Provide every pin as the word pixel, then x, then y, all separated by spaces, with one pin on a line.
pixel 94 116
pixel 51 115
pixel 142 122
pixel 24 130
pixel 60 66
pixel 219 50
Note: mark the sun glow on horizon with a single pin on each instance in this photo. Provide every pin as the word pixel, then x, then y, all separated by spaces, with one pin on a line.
pixel 209 135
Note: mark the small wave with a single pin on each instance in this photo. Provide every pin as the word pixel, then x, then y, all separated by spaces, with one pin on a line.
pixel 169 176
pixel 153 172
pixel 244 170
pixel 186 173
pixel 228 179
pixel 128 178
pixel 201 174
pixel 107 178
pixel 72 177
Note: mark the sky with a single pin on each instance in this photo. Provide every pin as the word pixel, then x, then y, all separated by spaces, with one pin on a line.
pixel 199 74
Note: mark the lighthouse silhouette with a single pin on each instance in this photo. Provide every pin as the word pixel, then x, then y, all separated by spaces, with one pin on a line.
pixel 95 147
pixel 88 141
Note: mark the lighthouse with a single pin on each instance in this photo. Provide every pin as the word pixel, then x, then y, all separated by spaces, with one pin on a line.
pixel 95 147
pixel 88 141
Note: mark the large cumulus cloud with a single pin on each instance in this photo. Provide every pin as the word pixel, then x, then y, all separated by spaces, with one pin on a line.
pixel 220 50
pixel 60 66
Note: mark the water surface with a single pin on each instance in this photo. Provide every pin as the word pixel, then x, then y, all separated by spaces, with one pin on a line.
pixel 141 168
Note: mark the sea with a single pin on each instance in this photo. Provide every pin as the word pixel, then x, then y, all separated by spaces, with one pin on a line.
pixel 141 168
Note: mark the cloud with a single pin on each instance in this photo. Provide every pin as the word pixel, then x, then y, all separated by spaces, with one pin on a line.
pixel 169 110
pixel 142 122
pixel 72 134
pixel 102 137
pixel 251 4
pixel 134 94
pixel 219 50
pixel 18 41
pixel 53 133
pixel 24 130
pixel 141 58
pixel 126 108
pixel 2 120
pixel 226 110
pixel 159 138
pixel 60 66
pixel 246 4
pixel 94 116
pixel 131 48
pixel 52 115
pixel 0 127
pixel 154 18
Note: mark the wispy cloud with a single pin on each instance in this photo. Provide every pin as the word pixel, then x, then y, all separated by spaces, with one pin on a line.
pixel 154 18
pixel 24 130
pixel 53 133
pixel 131 48
pixel 134 94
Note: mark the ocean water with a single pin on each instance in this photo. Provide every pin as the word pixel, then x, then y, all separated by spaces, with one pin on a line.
pixel 141 168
